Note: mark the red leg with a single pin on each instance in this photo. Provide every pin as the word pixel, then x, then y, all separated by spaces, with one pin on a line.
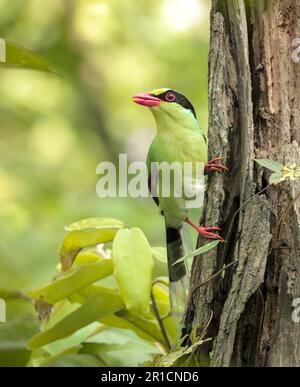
pixel 205 231
pixel 213 165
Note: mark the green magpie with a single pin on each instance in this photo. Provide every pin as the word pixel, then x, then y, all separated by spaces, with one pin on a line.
pixel 179 138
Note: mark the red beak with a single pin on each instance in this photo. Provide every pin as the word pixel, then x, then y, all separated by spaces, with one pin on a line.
pixel 146 99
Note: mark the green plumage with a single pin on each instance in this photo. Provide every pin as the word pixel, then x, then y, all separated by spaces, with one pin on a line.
pixel 179 139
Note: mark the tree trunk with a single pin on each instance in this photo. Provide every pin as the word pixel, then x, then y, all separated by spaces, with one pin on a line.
pixel 254 105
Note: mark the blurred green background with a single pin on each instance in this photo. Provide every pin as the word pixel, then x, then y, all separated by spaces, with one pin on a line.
pixel 54 130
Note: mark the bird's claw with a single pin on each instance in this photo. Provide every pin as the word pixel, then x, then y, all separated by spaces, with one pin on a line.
pixel 212 165
pixel 206 231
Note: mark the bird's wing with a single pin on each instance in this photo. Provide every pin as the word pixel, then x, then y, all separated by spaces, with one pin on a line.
pixel 152 178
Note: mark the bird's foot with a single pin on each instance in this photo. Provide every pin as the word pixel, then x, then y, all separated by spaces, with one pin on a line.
pixel 206 231
pixel 214 165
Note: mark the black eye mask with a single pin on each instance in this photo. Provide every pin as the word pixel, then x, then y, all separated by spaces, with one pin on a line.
pixel 173 96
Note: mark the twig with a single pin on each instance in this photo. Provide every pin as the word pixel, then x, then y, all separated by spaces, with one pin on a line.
pixel 263 311
pixel 239 209
pixel 160 322
pixel 206 325
pixel 212 277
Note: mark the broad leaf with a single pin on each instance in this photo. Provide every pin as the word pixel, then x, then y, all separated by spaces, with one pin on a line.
pixel 94 309
pixel 13 55
pixel 13 337
pixel 159 253
pixel 98 348
pixel 276 178
pixel 147 325
pixel 74 281
pixel 273 165
pixel 161 296
pixel 160 268
pixel 92 255
pixel 73 360
pixel 133 264
pixel 201 250
pixel 94 223
pixel 173 357
pixel 72 341
pixel 144 328
pixel 85 233
pixel 149 331
pixel 162 299
pixel 86 257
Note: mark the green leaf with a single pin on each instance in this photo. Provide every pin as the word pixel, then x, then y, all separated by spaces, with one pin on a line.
pixel 72 282
pixel 14 55
pixel 97 348
pixel 94 223
pixel 276 178
pixel 201 250
pixel 163 280
pixel 60 310
pixel 96 289
pixel 172 358
pixel 13 337
pixel 160 268
pixel 73 360
pixel 159 253
pixel 86 257
pixel 96 307
pixel 89 232
pixel 71 341
pixel 133 264
pixel 162 300
pixel 148 331
pixel 91 255
pixel 274 166
pixel 146 324
pixel 126 340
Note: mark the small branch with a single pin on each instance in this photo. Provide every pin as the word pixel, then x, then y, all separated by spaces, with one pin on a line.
pixel 212 277
pixel 239 209
pixel 206 325
pixel 160 322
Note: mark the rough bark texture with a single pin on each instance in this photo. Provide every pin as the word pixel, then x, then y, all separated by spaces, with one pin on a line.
pixel 254 102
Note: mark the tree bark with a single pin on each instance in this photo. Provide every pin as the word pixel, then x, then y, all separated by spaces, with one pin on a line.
pixel 254 102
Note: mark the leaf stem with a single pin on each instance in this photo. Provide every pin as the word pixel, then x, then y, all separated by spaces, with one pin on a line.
pixel 212 277
pixel 160 322
pixel 238 210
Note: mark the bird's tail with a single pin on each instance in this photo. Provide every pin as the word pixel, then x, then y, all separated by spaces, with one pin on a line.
pixel 178 273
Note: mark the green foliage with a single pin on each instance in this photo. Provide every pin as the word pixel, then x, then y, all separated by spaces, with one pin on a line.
pixel 17 56
pixel 74 281
pixel 55 130
pixel 13 337
pixel 133 264
pixel 282 172
pixel 77 305
pixel 96 306
pixel 179 356
pixel 274 166
pixel 199 251
pixel 89 232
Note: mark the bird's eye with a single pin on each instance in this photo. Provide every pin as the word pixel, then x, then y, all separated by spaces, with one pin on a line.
pixel 170 97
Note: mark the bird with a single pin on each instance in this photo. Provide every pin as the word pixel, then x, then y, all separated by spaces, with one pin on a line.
pixel 179 138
